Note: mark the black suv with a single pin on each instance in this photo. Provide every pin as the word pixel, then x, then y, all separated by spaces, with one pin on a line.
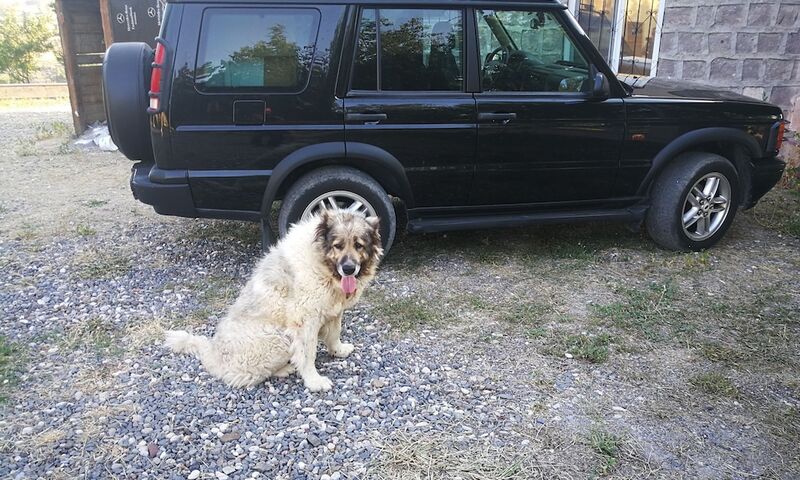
pixel 457 114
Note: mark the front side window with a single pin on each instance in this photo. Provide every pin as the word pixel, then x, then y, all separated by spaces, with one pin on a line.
pixel 420 50
pixel 262 49
pixel 526 51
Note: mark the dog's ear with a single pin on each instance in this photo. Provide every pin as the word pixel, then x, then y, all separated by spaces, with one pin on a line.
pixel 324 226
pixel 375 223
pixel 375 234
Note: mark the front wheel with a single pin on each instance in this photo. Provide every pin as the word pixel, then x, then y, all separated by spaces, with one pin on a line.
pixel 693 202
pixel 338 187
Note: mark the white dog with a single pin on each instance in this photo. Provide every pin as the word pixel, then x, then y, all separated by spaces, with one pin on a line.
pixel 296 295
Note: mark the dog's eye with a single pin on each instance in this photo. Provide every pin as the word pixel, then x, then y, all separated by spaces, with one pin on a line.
pixel 338 246
pixel 359 246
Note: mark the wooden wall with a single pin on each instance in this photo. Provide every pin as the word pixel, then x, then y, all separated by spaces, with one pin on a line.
pixel 82 37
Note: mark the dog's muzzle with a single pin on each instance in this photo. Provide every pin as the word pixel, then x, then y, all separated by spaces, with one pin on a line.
pixel 348 268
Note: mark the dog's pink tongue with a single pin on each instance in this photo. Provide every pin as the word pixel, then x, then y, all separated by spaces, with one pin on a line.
pixel 348 284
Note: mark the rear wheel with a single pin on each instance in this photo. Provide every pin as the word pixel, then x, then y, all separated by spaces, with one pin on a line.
pixel 693 202
pixel 338 187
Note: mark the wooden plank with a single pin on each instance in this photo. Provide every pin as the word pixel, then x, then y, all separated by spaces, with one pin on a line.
pixel 108 35
pixel 69 66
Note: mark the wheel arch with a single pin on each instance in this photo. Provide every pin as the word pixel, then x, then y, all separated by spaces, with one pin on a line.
pixel 374 161
pixel 736 146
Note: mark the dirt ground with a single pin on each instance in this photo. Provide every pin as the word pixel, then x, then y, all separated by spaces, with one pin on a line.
pixel 624 360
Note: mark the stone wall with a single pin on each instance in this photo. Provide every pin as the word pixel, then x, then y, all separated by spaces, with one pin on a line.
pixel 748 46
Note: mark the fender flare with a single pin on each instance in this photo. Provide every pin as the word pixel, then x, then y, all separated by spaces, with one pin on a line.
pixel 691 139
pixel 372 160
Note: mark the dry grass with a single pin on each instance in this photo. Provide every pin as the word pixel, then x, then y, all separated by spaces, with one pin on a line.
pixel 100 265
pixel 438 456
pixel 93 335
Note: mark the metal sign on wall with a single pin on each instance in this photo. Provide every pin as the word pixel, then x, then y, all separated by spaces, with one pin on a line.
pixel 136 20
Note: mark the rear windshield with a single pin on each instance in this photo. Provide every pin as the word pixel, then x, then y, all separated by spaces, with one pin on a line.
pixel 260 49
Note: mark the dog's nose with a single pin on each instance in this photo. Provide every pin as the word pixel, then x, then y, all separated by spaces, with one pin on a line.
pixel 348 268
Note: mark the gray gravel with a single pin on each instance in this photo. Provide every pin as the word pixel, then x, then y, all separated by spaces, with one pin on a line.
pixel 156 415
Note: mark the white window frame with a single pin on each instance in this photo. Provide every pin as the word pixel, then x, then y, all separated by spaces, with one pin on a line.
pixel 618 29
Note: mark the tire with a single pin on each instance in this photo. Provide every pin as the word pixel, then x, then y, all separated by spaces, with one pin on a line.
pixel 126 79
pixel 706 221
pixel 346 184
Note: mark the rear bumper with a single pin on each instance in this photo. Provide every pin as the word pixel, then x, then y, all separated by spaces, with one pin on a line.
pixel 765 174
pixel 173 198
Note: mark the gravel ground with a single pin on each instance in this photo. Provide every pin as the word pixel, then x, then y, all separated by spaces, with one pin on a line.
pixel 439 385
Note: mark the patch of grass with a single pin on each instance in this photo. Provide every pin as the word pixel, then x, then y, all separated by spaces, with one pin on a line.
pixel 608 446
pixel 95 203
pixel 103 265
pixel 247 233
pixel 407 313
pixel 217 293
pixel 65 148
pixel 45 130
pixel 536 332
pixel 714 383
pixel 592 348
pixel 434 456
pixel 525 313
pixel 784 423
pixel 33 103
pixel 94 335
pixel 10 360
pixel 26 148
pixel 643 309
pixel 722 353
pixel 26 231
pixel 697 259
pixel 85 231
pixel 779 210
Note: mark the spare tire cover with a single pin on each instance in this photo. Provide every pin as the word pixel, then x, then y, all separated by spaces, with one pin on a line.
pixel 126 78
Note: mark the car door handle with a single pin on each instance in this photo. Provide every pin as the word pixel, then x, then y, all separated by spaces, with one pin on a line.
pixel 497 117
pixel 367 118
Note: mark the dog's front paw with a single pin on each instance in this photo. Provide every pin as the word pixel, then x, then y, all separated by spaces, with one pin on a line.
pixel 343 350
pixel 318 383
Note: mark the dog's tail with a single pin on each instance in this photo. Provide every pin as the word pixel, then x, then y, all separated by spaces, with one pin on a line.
pixel 181 341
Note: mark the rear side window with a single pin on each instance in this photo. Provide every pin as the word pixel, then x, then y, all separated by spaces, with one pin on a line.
pixel 259 49
pixel 409 50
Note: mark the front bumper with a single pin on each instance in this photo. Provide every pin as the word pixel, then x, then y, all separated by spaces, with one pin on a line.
pixel 173 198
pixel 764 175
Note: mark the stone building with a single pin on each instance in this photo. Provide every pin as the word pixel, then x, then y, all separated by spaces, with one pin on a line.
pixel 748 46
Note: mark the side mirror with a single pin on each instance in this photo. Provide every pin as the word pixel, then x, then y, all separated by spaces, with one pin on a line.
pixel 600 88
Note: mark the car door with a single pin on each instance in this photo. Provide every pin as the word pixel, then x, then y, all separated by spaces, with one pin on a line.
pixel 252 85
pixel 407 96
pixel 542 138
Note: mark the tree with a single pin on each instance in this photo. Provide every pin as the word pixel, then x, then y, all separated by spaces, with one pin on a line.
pixel 22 39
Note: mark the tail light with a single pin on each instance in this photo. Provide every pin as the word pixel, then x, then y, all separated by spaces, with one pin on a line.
pixel 156 77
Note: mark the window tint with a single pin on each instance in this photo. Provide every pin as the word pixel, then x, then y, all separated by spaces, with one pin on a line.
pixel 261 49
pixel 529 52
pixel 365 65
pixel 420 50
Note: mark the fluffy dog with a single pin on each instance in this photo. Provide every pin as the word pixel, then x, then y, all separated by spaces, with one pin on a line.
pixel 295 296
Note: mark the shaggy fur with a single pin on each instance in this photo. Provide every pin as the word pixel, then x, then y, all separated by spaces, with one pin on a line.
pixel 295 296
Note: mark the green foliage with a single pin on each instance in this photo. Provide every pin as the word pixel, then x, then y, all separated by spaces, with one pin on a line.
pixel 23 38
pixel 10 361
pixel 608 446
pixel 714 384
